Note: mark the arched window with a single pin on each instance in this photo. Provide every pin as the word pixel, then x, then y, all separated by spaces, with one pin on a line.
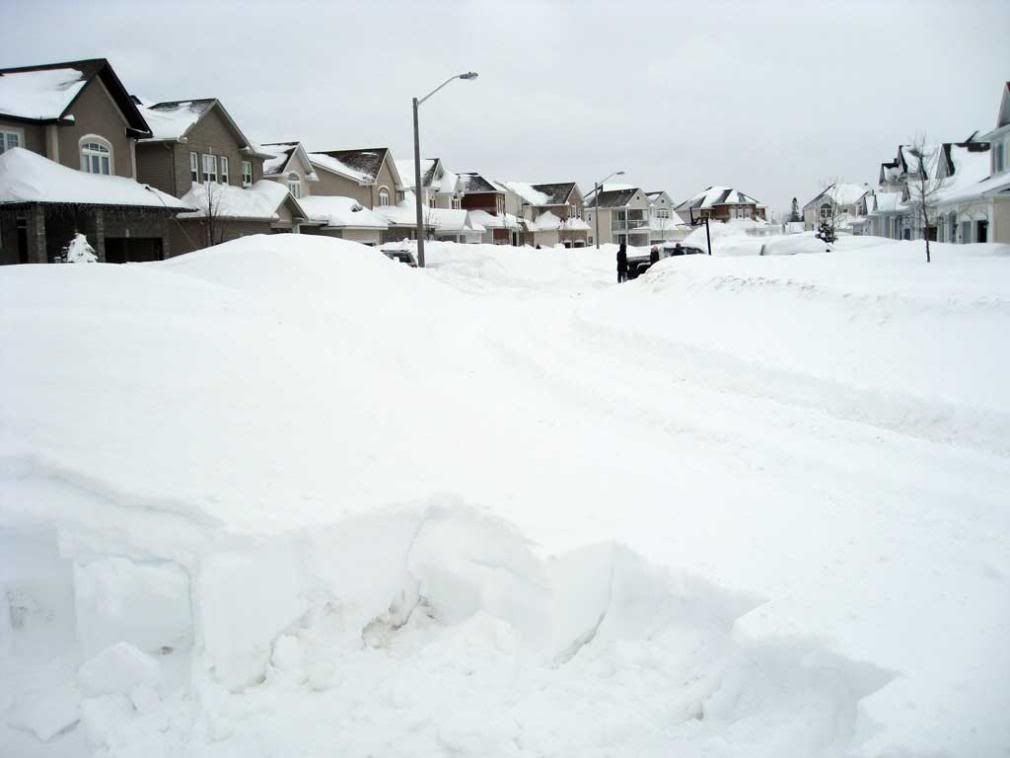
pixel 96 155
pixel 295 185
pixel 383 196
pixel 826 210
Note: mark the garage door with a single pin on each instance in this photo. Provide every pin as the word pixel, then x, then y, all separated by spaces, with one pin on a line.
pixel 132 249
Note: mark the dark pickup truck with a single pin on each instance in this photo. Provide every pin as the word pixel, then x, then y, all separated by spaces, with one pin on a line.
pixel 639 264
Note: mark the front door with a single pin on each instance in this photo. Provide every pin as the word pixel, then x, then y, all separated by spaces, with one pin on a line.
pixel 981 231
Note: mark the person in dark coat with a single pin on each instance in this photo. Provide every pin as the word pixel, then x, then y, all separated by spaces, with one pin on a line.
pixel 622 262
pixel 654 255
pixel 678 249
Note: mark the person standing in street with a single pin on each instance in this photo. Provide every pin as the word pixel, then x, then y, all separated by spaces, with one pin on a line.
pixel 622 262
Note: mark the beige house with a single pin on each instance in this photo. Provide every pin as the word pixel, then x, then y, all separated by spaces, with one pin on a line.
pixel 621 213
pixel 78 116
pixel 440 186
pixel 845 204
pixel 552 212
pixel 664 223
pixel 369 176
pixel 198 153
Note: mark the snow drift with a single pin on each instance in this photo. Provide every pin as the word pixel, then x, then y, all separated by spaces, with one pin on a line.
pixel 286 496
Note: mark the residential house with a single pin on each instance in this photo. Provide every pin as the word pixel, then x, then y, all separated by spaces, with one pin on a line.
pixel 720 204
pixel 553 213
pixel 893 216
pixel 198 153
pixel 76 116
pixel 621 213
pixel 493 206
pixel 842 203
pixel 369 176
pixel 974 202
pixel 664 223
pixel 345 218
pixel 440 186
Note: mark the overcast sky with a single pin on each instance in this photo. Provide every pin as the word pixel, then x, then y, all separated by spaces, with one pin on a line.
pixel 768 97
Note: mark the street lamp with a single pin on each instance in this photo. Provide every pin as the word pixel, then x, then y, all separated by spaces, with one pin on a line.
pixel 597 188
pixel 417 163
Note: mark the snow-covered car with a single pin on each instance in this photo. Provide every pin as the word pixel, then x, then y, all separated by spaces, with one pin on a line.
pixel 403 256
pixel 639 264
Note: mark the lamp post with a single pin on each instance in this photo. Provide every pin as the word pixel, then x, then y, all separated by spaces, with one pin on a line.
pixel 597 188
pixel 417 163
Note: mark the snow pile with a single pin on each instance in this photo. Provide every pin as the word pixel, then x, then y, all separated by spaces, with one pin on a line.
pixel 42 94
pixel 287 497
pixel 26 177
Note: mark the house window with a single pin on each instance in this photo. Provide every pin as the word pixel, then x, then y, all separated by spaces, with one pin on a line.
pixel 96 155
pixel 209 168
pixel 9 140
pixel 432 201
pixel 224 170
pixel 574 211
pixel 194 167
pixel 383 196
pixel 246 173
pixel 456 203
pixel 295 186
pixel 997 158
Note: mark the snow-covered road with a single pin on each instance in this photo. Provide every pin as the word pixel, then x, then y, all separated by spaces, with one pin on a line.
pixel 738 507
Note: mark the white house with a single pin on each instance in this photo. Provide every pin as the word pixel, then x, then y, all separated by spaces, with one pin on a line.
pixel 842 202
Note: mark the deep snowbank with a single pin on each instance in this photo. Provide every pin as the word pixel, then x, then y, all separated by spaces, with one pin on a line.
pixel 740 507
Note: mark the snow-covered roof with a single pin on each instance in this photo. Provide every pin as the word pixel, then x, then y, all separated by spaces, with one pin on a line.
pixel 172 120
pixel 887 202
pixel 548 221
pixel 338 211
pixel 452 220
pixel 529 193
pixel 361 165
pixel 403 213
pixel 26 177
pixel 491 221
pixel 281 154
pixel 611 197
pixel 970 170
pixel 40 94
pixel 406 170
pixel 472 182
pixel 715 195
pixel 260 202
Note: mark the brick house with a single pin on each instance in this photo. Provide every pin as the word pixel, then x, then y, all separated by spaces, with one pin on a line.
pixel 76 115
pixel 720 204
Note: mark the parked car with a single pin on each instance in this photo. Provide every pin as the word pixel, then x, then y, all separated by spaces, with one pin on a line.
pixel 639 264
pixel 403 256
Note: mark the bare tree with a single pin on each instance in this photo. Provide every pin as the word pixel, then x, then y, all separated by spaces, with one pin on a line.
pixel 214 208
pixel 924 184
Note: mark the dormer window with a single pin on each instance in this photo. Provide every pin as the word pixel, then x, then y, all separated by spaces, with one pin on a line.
pixel 96 155
pixel 383 196
pixel 295 185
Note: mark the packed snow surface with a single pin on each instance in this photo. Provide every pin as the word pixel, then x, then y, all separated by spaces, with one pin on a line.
pixel 41 94
pixel 286 497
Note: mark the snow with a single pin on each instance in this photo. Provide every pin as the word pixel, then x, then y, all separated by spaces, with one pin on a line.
pixel 328 162
pixel 742 506
pixel 79 250
pixel 260 201
pixel 528 193
pixel 171 121
pixel 338 211
pixel 26 177
pixel 843 194
pixel 714 196
pixel 44 94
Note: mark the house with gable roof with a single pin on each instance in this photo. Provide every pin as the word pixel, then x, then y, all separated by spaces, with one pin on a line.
pixel 198 153
pixel 493 206
pixel 68 138
pixel 552 212
pixel 622 213
pixel 843 202
pixel 368 175
pixel 720 204
pixel 664 223
pixel 439 185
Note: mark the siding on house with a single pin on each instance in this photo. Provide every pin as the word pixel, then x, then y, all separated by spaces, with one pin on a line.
pixel 95 112
pixel 33 136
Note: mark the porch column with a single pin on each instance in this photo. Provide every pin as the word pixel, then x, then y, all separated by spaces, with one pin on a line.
pixel 37 243
pixel 100 235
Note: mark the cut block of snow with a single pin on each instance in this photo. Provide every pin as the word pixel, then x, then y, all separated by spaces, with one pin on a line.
pixel 103 715
pixel 48 713
pixel 145 604
pixel 118 669
pixel 245 599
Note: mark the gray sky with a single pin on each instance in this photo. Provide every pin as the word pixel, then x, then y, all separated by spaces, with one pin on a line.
pixel 769 97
